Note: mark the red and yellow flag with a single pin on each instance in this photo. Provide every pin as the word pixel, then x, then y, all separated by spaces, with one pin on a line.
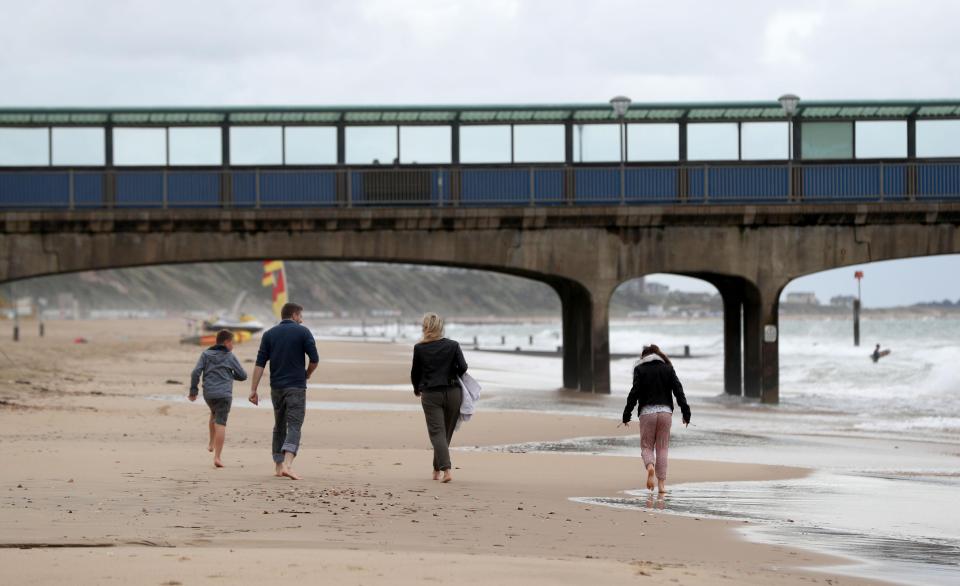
pixel 275 276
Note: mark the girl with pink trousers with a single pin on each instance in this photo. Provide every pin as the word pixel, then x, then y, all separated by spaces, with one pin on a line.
pixel 655 383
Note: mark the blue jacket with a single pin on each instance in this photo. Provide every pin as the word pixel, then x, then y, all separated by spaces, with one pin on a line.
pixel 284 346
pixel 219 368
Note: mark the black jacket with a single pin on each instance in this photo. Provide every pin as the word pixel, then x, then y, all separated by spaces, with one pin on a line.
pixel 655 383
pixel 436 364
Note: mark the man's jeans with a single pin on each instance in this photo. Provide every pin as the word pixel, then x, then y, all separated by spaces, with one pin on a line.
pixel 289 406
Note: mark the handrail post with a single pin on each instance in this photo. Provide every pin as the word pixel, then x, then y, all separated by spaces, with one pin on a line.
pixel 349 187
pixel 439 188
pixel 71 195
pixel 789 180
pixel 532 188
pixel 881 181
pixel 623 183
pixel 706 183
pixel 166 188
pixel 836 181
pixel 256 188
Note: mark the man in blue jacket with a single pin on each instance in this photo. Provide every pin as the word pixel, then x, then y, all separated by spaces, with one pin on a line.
pixel 284 346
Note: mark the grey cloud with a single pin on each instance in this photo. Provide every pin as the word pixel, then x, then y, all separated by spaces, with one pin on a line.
pixel 382 51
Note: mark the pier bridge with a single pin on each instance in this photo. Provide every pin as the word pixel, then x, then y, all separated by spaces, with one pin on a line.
pixel 747 196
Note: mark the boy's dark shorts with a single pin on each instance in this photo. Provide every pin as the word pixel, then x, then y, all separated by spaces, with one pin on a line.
pixel 220 408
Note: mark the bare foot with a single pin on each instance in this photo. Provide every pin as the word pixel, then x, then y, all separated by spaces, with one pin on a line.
pixel 217 463
pixel 662 488
pixel 289 473
pixel 447 477
pixel 436 475
pixel 279 471
pixel 210 448
pixel 650 477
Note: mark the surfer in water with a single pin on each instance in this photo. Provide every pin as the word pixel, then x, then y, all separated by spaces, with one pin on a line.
pixel 878 353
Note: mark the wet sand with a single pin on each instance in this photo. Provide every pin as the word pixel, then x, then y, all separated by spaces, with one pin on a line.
pixel 104 483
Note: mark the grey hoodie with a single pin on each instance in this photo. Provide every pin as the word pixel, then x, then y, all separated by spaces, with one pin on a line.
pixel 219 368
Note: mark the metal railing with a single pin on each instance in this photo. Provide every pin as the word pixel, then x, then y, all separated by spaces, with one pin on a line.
pixel 475 185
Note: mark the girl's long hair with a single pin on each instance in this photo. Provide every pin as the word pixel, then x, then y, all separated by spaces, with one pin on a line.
pixel 654 349
pixel 432 327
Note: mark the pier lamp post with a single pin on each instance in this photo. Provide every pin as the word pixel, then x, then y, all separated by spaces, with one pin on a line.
pixel 789 103
pixel 620 105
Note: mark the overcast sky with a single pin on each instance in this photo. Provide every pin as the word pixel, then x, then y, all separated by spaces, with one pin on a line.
pixel 205 52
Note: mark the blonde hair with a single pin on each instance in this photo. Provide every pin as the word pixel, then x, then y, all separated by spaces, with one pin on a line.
pixel 432 327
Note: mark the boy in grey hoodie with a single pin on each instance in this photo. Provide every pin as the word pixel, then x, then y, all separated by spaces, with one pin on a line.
pixel 219 368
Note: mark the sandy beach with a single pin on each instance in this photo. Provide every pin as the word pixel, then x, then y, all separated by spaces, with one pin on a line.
pixel 108 481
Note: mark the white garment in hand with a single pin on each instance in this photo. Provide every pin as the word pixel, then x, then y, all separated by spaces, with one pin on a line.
pixel 471 394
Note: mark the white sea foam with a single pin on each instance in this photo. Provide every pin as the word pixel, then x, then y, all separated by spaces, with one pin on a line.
pixel 916 389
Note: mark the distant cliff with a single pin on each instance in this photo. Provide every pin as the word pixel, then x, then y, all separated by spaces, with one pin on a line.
pixel 355 288
pixel 363 289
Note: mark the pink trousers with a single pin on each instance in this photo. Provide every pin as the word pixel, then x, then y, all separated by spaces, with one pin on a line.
pixel 655 441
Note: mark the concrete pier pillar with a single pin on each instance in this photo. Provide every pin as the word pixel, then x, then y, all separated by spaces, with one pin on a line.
pixel 586 333
pixel 770 353
pixel 752 346
pixel 761 344
pixel 600 337
pixel 571 372
pixel 732 341
pixel 575 310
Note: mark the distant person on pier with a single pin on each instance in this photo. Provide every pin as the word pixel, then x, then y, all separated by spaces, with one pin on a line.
pixel 655 383
pixel 284 347
pixel 437 365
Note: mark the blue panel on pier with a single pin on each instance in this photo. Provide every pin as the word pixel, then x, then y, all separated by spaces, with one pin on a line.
pixel 841 183
pixel 193 189
pixel 243 188
pixel 641 185
pixel 894 182
pixel 298 188
pixel 695 184
pixel 139 189
pixel 938 181
pixel 596 186
pixel 651 185
pixel 747 184
pixel 480 187
pixel 35 190
pixel 495 187
pixel 548 186
pixel 88 190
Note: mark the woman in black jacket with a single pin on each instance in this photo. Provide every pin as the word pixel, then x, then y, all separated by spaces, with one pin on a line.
pixel 437 364
pixel 654 385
